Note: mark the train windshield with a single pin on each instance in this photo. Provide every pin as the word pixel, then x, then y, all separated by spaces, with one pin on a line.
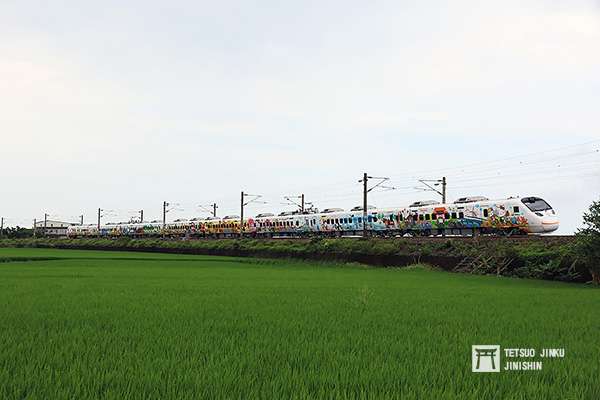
pixel 536 204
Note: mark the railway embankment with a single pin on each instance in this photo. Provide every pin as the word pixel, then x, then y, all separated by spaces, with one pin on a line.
pixel 550 257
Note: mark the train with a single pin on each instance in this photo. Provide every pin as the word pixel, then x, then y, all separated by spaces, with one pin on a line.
pixel 464 217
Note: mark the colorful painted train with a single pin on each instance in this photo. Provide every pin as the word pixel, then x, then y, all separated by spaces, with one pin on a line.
pixel 467 216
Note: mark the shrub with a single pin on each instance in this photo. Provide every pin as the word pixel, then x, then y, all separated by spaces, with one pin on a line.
pixel 588 241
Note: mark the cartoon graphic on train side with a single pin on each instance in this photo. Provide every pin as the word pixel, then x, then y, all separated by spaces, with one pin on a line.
pixel 529 215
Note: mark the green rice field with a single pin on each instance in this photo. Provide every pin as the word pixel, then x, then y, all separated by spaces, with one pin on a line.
pixel 96 325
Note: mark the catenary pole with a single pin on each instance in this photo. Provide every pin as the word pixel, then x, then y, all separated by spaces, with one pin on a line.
pixel 444 190
pixel 365 191
pixel 242 215
pixel 99 216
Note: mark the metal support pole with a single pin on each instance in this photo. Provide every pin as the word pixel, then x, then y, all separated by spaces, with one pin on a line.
pixel 365 191
pixel 242 215
pixel 444 190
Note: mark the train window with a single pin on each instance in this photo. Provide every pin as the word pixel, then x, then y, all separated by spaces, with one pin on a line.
pixel 297 223
pixel 433 216
pixel 427 217
pixel 370 218
pixel 421 217
pixel 461 215
pixel 516 209
pixel 360 220
pixel 374 219
pixel 401 217
pixel 454 215
pixel 447 215
pixel 486 213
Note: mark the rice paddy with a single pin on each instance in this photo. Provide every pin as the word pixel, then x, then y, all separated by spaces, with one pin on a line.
pixel 89 325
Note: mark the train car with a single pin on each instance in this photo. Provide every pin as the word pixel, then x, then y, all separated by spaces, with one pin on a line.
pixel 466 216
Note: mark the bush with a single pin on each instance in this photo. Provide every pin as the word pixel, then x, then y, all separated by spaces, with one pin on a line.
pixel 588 241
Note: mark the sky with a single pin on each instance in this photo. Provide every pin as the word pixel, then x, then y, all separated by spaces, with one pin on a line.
pixel 123 105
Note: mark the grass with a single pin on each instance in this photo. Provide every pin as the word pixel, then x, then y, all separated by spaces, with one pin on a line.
pixel 122 325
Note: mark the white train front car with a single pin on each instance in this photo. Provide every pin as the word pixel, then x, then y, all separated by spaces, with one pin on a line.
pixel 542 218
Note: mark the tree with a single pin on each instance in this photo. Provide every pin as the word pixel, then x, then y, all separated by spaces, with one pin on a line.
pixel 588 241
pixel 17 233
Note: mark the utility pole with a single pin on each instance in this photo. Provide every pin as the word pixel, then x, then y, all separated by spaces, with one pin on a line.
pixel 1 226
pixel 242 216
pixel 431 188
pixel 99 216
pixel 294 202
pixel 444 190
pixel 81 220
pixel 165 205
pixel 45 223
pixel 34 227
pixel 211 209
pixel 365 191
pixel 141 216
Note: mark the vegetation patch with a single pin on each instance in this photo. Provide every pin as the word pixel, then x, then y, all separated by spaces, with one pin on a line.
pixel 552 258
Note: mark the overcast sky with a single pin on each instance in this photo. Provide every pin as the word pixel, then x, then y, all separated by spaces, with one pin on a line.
pixel 122 105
